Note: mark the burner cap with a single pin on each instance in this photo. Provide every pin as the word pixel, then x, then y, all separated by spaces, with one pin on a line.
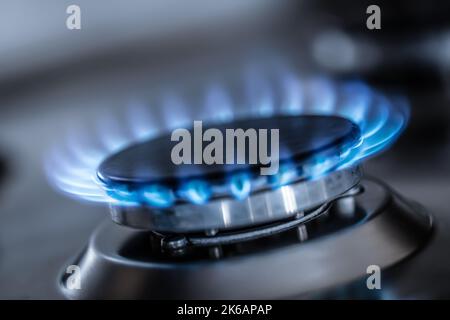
pixel 306 142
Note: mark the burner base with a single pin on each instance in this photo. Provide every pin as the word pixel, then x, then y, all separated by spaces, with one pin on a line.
pixel 384 229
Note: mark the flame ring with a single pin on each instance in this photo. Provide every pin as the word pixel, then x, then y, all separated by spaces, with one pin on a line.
pixel 73 169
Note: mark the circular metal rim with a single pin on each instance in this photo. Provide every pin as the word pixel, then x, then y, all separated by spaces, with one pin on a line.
pixel 225 214
pixel 393 230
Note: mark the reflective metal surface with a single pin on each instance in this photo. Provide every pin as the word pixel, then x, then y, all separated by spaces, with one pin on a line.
pixel 390 230
pixel 230 213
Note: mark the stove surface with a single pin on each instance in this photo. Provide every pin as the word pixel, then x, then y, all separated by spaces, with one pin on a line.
pixel 42 231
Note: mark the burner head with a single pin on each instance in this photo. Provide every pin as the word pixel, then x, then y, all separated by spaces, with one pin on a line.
pixel 323 127
pixel 309 146
pixel 165 196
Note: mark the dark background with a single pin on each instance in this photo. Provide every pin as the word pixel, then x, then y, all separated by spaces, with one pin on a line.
pixel 51 78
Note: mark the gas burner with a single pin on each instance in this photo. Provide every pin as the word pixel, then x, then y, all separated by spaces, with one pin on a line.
pixel 166 196
pixel 255 243
pixel 226 231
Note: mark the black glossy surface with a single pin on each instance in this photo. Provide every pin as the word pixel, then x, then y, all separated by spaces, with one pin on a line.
pixel 299 138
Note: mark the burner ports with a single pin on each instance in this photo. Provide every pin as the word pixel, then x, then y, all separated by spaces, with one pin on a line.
pixel 226 214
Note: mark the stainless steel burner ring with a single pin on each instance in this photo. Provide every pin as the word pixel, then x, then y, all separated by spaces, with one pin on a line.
pixel 228 213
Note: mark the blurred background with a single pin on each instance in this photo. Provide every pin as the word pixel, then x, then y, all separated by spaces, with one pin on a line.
pixel 52 78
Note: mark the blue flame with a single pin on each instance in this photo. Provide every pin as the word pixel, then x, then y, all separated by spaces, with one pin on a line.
pixel 142 125
pixel 240 185
pixel 196 191
pixel 218 100
pixel 259 93
pixel 73 167
pixel 158 196
pixel 175 111
pixel 124 195
pixel 319 166
pixel 292 103
pixel 287 173
pixel 324 99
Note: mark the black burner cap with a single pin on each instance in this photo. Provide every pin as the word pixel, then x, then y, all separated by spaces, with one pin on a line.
pixel 300 137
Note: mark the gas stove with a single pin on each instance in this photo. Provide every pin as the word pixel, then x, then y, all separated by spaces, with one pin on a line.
pixel 357 210
pixel 226 231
